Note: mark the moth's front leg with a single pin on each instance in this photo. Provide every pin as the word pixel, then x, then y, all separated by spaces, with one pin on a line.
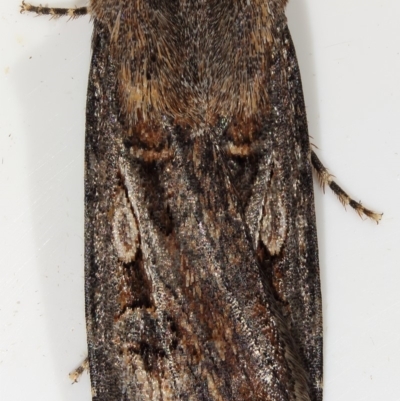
pixel 77 373
pixel 55 12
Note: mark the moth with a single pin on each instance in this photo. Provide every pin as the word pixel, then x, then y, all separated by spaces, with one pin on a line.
pixel 201 257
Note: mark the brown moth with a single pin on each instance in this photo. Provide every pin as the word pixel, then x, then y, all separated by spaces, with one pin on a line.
pixel 201 265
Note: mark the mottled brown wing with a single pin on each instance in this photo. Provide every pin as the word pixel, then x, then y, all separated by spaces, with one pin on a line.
pixel 201 258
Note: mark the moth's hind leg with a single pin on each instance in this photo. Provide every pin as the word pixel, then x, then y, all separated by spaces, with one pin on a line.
pixel 77 373
pixel 55 12
pixel 325 178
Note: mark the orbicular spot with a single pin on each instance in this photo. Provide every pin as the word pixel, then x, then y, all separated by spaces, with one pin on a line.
pixel 124 228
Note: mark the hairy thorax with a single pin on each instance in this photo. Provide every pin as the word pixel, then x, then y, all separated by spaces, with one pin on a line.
pixel 193 60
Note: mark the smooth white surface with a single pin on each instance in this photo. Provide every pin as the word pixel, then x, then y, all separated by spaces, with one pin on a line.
pixel 349 53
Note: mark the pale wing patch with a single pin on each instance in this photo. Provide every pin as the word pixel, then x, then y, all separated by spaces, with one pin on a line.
pixel 125 229
pixel 274 225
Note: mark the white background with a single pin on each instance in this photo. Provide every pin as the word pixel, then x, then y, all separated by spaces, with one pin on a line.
pixel 349 54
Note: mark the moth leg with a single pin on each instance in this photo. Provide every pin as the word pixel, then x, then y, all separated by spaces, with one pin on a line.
pixel 55 12
pixel 77 373
pixel 325 178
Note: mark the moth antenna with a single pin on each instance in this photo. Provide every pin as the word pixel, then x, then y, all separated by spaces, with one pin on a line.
pixel 55 12
pixel 325 178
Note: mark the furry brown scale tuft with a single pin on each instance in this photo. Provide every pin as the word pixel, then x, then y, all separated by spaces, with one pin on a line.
pixel 194 61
